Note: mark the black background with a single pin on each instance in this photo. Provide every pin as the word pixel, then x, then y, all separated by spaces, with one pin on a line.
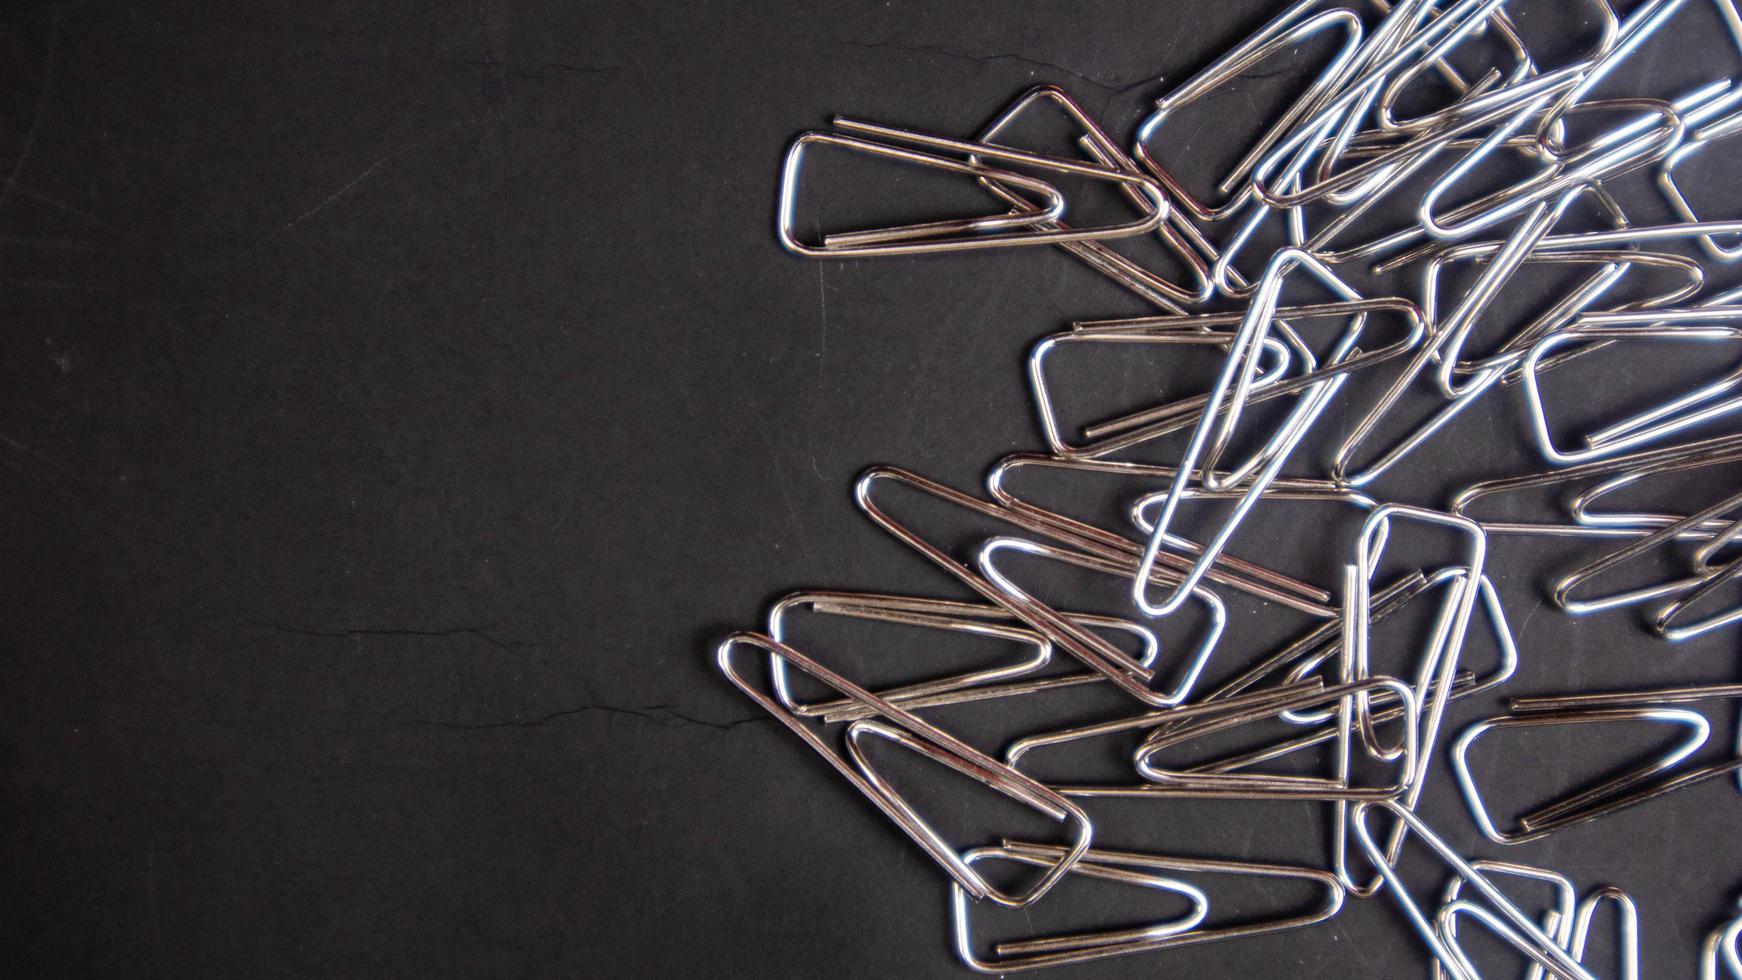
pixel 399 402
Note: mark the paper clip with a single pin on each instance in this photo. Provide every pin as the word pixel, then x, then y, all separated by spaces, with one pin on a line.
pixel 1723 946
pixel 1638 785
pixel 928 741
pixel 932 237
pixel 1621 699
pixel 1552 957
pixel 938 614
pixel 1267 382
pixel 1021 955
pixel 1632 467
pixel 1672 192
pixel 1097 255
pixel 1557 921
pixel 1235 573
pixel 1242 785
pixel 1562 593
pixel 1091 649
pixel 1194 665
pixel 1627 929
pixel 1237 374
pixel 1285 30
pixel 1101 941
pixel 1703 404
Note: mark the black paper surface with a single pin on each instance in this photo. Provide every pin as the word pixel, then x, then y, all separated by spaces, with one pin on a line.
pixel 400 401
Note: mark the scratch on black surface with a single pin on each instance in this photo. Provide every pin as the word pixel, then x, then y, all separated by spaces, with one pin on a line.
pixel 663 713
pixel 793 520
pixel 823 313
pixel 363 175
pixel 44 90
pixel 1524 626
pixel 41 465
pixel 59 205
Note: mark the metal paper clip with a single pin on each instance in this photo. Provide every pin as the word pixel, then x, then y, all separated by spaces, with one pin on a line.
pixel 1627 929
pixel 1613 265
pixel 1720 449
pixel 1162 334
pixel 1386 709
pixel 785 217
pixel 1248 577
pixel 1237 374
pixel 1640 24
pixel 1278 379
pixel 1557 921
pixel 1098 256
pixel 1555 959
pixel 1500 20
pixel 1702 404
pixel 1672 192
pixel 1723 946
pixel 1286 30
pixel 1562 593
pixel 951 616
pixel 1665 623
pixel 929 741
pixel 1151 720
pixel 1717 452
pixel 1092 650
pixel 1194 665
pixel 1529 231
pixel 1629 789
pixel 1446 922
pixel 1460 604
pixel 1523 67
pixel 931 237
pixel 1272 786
pixel 1020 955
pixel 1459 19
pixel 1491 607
pixel 1454 329
pixel 1617 152
pixel 1143 510
pixel 1656 697
pixel 1438 685
pixel 959 913
pixel 940 614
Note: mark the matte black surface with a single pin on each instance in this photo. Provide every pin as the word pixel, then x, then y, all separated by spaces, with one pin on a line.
pixel 399 401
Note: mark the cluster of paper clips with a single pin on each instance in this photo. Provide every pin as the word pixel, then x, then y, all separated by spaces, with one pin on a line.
pixel 1516 147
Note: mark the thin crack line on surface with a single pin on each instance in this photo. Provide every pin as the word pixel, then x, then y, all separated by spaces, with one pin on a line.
pixel 1115 87
pixel 545 70
pixel 481 632
pixel 51 284
pixel 653 712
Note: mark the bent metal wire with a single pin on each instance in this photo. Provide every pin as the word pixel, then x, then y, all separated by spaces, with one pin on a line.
pixel 1511 167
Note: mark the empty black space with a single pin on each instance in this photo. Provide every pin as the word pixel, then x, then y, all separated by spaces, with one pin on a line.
pixel 398 401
